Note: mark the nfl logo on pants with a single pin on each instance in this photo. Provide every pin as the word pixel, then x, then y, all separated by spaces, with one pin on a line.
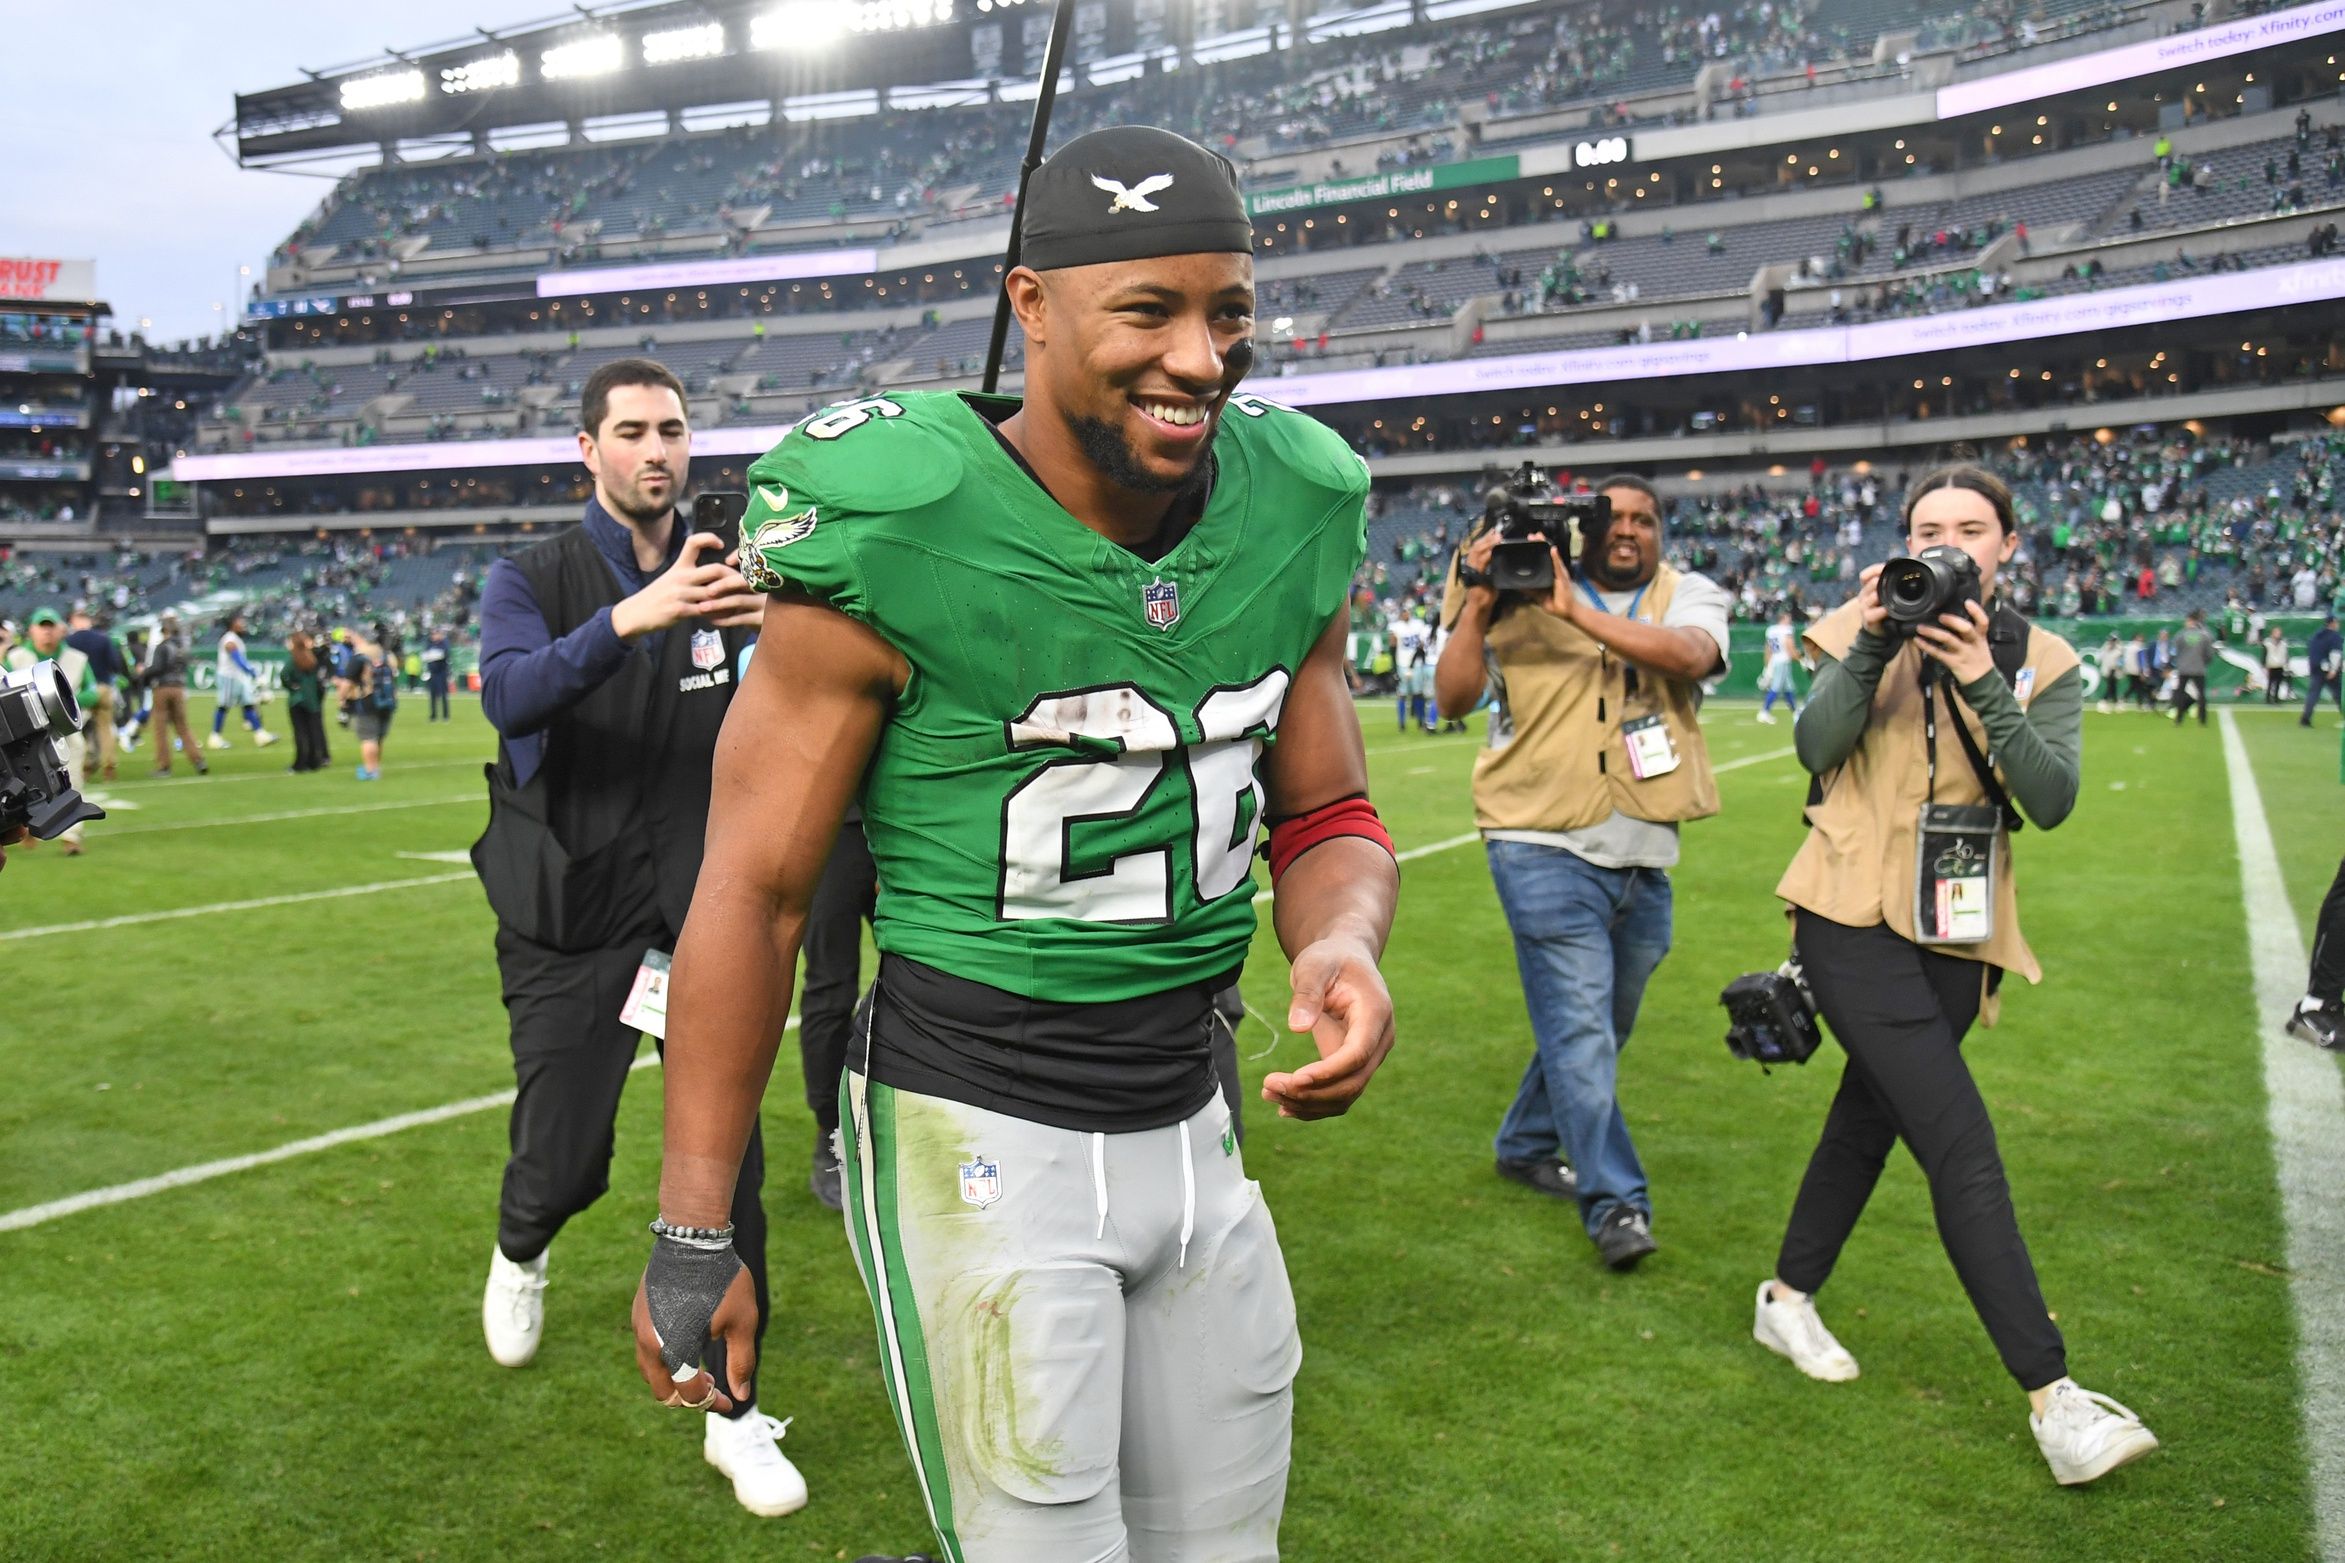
pixel 981 1182
pixel 1161 601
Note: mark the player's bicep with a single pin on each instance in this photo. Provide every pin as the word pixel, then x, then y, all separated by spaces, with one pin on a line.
pixel 1319 756
pixel 793 749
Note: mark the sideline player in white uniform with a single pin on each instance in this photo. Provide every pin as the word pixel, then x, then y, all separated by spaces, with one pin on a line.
pixel 239 685
pixel 1782 656
pixel 1412 670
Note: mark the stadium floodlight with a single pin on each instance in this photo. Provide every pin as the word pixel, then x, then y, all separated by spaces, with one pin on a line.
pixel 812 24
pixel 481 75
pixel 382 90
pixel 597 55
pixel 684 43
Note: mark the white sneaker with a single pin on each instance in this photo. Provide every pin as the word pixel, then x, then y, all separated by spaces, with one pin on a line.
pixel 215 742
pixel 1767 718
pixel 2085 1436
pixel 262 738
pixel 513 1308
pixel 1793 1329
pixel 747 1448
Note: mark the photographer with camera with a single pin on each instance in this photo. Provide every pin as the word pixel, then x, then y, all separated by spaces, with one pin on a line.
pixel 1596 657
pixel 1930 714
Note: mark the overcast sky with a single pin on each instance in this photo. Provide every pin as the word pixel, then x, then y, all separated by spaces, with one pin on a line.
pixel 109 107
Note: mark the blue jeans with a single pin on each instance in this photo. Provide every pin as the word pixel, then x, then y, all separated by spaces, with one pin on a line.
pixel 1586 939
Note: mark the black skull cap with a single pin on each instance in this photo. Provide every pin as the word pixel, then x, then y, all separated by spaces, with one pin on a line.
pixel 1132 192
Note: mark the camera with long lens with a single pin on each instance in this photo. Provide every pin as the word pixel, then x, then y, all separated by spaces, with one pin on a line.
pixel 1531 513
pixel 1771 1017
pixel 37 711
pixel 1916 588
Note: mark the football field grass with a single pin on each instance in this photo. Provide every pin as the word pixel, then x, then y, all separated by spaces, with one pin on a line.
pixel 286 1362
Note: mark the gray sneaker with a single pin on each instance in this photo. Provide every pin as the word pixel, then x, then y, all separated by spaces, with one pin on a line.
pixel 1547 1174
pixel 1625 1237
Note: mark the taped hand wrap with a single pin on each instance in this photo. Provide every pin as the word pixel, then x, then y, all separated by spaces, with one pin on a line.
pixel 683 1286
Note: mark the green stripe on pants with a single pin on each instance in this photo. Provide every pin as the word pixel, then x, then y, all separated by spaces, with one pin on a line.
pixel 871 1198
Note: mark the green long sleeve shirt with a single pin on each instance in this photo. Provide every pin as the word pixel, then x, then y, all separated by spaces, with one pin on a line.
pixel 2038 749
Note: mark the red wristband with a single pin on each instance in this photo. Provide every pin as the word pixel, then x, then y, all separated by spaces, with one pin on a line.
pixel 1290 838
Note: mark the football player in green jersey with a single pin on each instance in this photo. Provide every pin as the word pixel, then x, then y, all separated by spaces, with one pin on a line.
pixel 1070 654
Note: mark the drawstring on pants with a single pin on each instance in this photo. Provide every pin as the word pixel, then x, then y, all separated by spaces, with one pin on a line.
pixel 1099 1181
pixel 1188 1195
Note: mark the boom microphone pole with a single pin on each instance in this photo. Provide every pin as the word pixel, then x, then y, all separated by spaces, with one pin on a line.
pixel 1053 59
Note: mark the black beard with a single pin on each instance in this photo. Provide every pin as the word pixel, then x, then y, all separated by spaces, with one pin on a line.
pixel 1616 580
pixel 646 517
pixel 1106 448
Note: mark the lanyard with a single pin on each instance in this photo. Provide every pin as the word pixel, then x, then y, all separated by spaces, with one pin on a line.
pixel 1930 731
pixel 1633 603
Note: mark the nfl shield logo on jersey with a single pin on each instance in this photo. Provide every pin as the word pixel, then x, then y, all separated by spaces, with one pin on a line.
pixel 708 649
pixel 981 1182
pixel 1161 601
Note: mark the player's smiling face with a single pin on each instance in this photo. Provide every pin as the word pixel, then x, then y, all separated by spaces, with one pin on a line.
pixel 1142 355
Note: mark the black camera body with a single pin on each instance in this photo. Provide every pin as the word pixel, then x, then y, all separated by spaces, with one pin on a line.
pixel 37 709
pixel 1531 513
pixel 1916 588
pixel 1771 1017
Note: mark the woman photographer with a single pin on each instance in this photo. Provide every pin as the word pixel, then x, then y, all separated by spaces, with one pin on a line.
pixel 1905 920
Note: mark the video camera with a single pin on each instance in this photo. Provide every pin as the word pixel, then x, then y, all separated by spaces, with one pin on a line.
pixel 37 709
pixel 1916 588
pixel 1530 513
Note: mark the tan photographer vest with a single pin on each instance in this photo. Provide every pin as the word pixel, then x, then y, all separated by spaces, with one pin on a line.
pixel 1565 766
pixel 1857 864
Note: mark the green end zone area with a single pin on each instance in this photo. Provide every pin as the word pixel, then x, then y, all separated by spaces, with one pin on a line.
pixel 286 1362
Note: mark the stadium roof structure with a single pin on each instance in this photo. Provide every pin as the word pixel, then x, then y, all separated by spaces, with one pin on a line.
pixel 668 56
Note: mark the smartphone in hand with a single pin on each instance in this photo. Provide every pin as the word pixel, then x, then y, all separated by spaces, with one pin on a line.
pixel 720 511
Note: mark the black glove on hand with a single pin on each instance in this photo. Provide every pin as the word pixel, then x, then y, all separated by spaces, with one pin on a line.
pixel 682 1286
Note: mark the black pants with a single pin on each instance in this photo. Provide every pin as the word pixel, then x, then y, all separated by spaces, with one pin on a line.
pixel 439 706
pixel 2314 687
pixel 2328 944
pixel 2275 685
pixel 833 947
pixel 1900 1012
pixel 571 1054
pixel 309 739
pixel 2190 689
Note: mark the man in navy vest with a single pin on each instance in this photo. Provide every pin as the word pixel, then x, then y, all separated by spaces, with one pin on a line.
pixel 607 666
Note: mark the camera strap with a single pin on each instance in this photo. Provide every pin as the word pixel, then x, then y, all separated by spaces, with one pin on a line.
pixel 1979 763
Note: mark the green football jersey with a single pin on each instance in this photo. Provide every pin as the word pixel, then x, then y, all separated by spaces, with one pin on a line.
pixel 1063 802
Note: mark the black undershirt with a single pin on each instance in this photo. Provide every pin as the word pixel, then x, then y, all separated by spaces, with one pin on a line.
pixel 1115 1068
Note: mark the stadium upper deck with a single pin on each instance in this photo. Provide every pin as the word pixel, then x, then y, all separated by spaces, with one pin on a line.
pixel 1784 210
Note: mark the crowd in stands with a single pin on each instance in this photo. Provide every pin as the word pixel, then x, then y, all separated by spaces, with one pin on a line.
pixel 397 586
pixel 2154 522
pixel 2160 517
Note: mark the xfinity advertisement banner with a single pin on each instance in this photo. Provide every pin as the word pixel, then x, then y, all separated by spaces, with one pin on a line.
pixel 45 277
pixel 2141 59
pixel 2220 294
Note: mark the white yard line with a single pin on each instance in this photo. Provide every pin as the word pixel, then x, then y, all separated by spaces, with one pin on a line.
pixel 286 814
pixel 2307 1116
pixel 133 919
pixel 204 1172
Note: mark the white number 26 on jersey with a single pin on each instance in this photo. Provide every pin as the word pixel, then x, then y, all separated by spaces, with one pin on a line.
pixel 1038 819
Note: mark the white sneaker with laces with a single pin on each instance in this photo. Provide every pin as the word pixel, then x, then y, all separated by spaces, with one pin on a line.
pixel 1793 1329
pixel 747 1448
pixel 2085 1436
pixel 262 738
pixel 513 1308
pixel 215 742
